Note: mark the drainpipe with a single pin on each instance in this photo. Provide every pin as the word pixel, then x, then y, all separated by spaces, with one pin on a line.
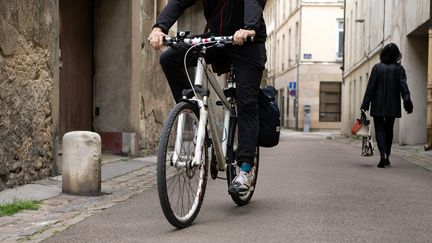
pixel 428 146
pixel 298 67
pixel 343 53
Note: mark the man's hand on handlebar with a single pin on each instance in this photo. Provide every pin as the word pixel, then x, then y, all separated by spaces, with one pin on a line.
pixel 156 38
pixel 241 36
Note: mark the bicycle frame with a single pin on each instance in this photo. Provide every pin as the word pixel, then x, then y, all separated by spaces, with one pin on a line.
pixel 206 115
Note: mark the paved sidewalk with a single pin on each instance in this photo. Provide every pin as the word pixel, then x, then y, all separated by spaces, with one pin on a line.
pixel 412 153
pixel 122 178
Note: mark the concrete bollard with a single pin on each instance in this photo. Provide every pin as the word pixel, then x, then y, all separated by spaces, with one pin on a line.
pixel 81 163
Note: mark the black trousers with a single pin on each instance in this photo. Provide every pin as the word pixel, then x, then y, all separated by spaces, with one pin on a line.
pixel 248 62
pixel 384 134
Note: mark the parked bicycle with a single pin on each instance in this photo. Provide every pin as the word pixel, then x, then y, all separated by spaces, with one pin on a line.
pixel 191 139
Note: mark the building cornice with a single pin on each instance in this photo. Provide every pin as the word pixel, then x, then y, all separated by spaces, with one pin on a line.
pixel 293 67
pixel 364 60
pixel 286 20
pixel 337 4
pixel 297 9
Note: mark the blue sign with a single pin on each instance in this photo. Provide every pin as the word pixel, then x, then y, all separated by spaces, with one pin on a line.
pixel 307 56
pixel 292 85
pixel 292 88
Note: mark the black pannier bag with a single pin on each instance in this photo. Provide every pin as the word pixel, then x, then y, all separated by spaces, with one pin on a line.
pixel 269 118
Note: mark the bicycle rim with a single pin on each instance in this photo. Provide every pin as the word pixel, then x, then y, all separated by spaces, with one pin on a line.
pixel 181 189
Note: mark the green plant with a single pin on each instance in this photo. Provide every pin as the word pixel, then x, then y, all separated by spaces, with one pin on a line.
pixel 18 205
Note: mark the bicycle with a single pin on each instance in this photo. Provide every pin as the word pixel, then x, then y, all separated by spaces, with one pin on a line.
pixel 190 134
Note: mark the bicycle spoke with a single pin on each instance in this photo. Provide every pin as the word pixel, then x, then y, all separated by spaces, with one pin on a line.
pixel 185 189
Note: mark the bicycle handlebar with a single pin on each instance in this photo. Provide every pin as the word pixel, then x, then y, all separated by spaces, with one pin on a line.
pixel 169 40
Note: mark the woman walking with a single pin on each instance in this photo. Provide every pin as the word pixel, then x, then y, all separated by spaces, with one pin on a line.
pixel 387 83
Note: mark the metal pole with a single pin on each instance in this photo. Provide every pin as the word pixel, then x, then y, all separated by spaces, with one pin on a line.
pixel 298 69
pixel 297 97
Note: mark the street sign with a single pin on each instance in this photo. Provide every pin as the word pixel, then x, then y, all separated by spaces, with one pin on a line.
pixel 292 92
pixel 307 56
pixel 292 88
pixel 292 85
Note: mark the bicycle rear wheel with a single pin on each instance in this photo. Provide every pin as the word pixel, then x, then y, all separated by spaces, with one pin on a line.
pixel 181 186
pixel 233 169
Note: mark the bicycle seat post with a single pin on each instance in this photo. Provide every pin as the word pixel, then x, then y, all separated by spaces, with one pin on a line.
pixel 231 76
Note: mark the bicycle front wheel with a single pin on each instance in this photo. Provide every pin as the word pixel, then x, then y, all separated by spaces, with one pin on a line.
pixel 181 186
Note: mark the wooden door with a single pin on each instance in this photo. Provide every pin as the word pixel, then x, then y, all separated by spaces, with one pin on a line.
pixel 76 65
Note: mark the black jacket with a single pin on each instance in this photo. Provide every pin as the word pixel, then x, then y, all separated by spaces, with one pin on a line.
pixel 387 84
pixel 233 15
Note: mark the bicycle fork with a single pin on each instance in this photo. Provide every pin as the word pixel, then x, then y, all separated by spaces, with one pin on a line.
pixel 179 162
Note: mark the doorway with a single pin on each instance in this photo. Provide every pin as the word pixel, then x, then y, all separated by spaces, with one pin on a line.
pixel 282 106
pixel 76 65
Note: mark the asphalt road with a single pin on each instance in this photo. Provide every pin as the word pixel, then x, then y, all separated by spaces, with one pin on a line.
pixel 309 190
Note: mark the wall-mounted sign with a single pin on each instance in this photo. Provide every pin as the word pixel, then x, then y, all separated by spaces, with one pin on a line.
pixel 292 85
pixel 292 88
pixel 307 56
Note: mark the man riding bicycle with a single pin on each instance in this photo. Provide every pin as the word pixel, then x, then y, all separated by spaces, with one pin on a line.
pixel 242 19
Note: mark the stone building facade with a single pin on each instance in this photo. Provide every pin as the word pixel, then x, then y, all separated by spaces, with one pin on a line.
pixel 370 25
pixel 303 60
pixel 78 65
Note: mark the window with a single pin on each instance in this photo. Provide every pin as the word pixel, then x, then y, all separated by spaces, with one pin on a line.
pixel 289 48
pixel 297 39
pixel 283 52
pixel 360 89
pixel 283 10
pixel 277 58
pixel 281 94
pixel 340 38
pixel 330 102
pixel 355 95
pixel 352 38
pixel 288 104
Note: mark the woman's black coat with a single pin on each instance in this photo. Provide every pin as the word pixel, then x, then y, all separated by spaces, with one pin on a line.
pixel 387 83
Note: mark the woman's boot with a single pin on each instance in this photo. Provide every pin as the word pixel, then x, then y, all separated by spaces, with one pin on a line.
pixel 382 161
pixel 387 161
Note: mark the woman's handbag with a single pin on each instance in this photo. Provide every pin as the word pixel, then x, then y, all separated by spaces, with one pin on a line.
pixel 356 127
pixel 364 130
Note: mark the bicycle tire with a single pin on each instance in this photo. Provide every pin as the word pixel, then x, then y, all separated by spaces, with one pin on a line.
pixel 170 178
pixel 244 199
pixel 232 169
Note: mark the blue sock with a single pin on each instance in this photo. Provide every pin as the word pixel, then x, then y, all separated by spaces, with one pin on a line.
pixel 246 167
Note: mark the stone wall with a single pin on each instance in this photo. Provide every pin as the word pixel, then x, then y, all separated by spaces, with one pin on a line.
pixel 28 37
pixel 156 97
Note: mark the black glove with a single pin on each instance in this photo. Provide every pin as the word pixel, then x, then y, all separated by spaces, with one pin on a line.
pixel 363 117
pixel 364 107
pixel 408 106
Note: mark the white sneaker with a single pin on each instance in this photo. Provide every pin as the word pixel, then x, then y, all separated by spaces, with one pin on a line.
pixel 240 184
